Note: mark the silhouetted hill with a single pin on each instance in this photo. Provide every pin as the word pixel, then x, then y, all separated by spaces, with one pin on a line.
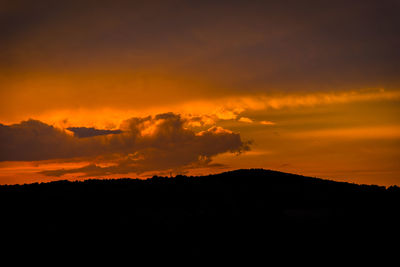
pixel 238 211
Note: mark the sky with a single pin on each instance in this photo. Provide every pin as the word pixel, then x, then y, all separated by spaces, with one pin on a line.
pixel 109 89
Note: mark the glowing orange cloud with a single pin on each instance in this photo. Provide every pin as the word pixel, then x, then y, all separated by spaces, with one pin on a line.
pixel 143 144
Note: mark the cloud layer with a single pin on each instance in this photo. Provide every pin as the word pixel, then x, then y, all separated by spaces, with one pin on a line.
pixel 147 54
pixel 143 144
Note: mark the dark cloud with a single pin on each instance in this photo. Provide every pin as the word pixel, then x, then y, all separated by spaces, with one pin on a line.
pixel 89 170
pixel 149 143
pixel 82 132
pixel 34 140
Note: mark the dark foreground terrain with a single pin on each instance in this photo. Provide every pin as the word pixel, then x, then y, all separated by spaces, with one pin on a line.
pixel 243 212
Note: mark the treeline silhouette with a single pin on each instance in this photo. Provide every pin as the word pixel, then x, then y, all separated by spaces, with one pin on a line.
pixel 237 211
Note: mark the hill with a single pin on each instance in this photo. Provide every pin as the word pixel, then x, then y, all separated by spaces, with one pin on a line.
pixel 243 210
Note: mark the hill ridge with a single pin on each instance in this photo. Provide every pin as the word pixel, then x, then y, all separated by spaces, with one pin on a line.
pixel 180 176
pixel 221 212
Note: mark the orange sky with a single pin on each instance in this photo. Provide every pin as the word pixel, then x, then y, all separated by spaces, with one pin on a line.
pixel 172 86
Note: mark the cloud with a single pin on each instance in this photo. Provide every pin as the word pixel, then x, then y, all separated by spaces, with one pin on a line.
pixel 82 132
pixel 144 144
pixel 267 123
pixel 33 140
pixel 208 52
pixel 369 132
pixel 244 119
pixel 200 120
pixel 323 98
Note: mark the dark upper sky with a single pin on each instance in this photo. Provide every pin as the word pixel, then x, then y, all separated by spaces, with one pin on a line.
pixel 235 44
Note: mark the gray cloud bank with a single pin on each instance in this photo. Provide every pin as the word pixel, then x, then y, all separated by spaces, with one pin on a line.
pixel 144 144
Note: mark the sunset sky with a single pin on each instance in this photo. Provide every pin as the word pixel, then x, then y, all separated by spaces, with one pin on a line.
pixel 109 89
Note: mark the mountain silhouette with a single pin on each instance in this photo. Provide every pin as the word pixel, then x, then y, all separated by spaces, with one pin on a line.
pixel 243 211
